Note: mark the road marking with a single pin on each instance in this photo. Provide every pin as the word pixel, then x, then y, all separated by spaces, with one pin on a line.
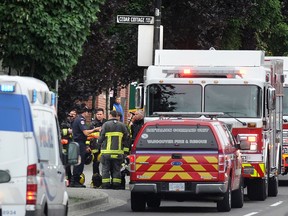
pixel 252 213
pixel 277 203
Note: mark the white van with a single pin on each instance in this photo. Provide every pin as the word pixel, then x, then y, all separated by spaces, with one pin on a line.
pixel 32 175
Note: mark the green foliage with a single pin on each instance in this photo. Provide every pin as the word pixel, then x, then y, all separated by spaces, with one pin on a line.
pixel 225 24
pixel 43 38
pixel 277 40
pixel 110 55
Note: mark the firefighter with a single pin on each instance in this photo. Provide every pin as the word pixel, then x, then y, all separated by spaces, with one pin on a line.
pixel 136 124
pixel 114 141
pixel 80 133
pixel 66 138
pixel 93 142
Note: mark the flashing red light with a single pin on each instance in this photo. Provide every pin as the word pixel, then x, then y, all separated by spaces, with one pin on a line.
pixel 187 71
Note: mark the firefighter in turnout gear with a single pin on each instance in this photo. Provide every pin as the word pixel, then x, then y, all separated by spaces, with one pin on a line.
pixel 114 142
pixel 92 139
pixel 97 124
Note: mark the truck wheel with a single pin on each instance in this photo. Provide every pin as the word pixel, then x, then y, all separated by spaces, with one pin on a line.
pixel 138 202
pixel 273 186
pixel 238 196
pixel 257 189
pixel 224 205
pixel 153 201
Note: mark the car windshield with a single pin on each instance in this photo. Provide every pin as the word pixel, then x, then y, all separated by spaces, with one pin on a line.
pixel 177 137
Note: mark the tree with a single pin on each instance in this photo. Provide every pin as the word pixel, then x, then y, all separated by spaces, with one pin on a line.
pixel 277 43
pixel 43 38
pixel 201 24
pixel 226 24
pixel 110 55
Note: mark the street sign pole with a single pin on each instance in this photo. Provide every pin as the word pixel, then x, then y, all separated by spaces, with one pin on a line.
pixel 157 23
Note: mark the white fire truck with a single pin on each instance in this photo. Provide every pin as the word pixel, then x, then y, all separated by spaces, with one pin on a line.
pixel 247 89
pixel 285 119
pixel 285 116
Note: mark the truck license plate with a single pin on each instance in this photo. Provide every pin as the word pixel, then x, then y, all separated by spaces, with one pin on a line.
pixel 176 186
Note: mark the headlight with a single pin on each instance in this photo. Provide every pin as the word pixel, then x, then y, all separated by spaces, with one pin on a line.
pixel 248 141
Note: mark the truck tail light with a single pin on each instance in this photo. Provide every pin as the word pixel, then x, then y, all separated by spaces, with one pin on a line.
pixel 248 141
pixel 132 164
pixel 222 163
pixel 31 191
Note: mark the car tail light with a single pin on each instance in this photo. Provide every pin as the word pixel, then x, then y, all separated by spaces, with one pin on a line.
pixel 132 164
pixel 222 163
pixel 31 192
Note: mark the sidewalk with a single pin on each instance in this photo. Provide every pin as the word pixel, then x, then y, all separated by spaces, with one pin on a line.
pixel 84 198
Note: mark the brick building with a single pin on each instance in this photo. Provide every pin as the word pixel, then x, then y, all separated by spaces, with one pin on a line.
pixel 100 102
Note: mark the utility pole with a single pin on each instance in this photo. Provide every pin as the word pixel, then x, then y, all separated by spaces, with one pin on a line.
pixel 56 94
pixel 157 23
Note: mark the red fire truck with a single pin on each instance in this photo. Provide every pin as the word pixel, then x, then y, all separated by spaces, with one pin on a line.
pixel 247 89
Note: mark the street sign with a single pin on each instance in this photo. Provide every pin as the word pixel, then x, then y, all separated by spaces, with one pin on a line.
pixel 131 19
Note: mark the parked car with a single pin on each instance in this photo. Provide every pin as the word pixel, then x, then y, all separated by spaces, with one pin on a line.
pixel 185 159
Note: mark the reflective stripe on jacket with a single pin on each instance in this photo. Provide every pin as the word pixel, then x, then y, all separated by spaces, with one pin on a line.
pixel 113 137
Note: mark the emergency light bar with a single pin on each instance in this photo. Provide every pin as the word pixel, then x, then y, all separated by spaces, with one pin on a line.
pixel 42 97
pixel 6 88
pixel 50 98
pixel 229 72
pixel 188 114
pixel 34 96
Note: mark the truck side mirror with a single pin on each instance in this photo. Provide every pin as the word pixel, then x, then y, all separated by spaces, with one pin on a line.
pixel 73 154
pixel 4 176
pixel 139 96
pixel 271 95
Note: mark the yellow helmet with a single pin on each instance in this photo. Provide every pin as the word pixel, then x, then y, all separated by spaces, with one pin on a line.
pixel 82 179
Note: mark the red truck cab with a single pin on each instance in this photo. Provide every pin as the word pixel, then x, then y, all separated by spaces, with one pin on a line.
pixel 185 159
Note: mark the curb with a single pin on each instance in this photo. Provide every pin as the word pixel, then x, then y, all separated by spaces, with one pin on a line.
pixel 88 202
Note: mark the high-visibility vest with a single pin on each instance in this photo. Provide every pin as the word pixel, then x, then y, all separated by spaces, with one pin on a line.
pixel 109 149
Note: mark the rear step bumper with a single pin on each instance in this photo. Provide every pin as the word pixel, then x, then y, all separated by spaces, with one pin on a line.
pixel 191 187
